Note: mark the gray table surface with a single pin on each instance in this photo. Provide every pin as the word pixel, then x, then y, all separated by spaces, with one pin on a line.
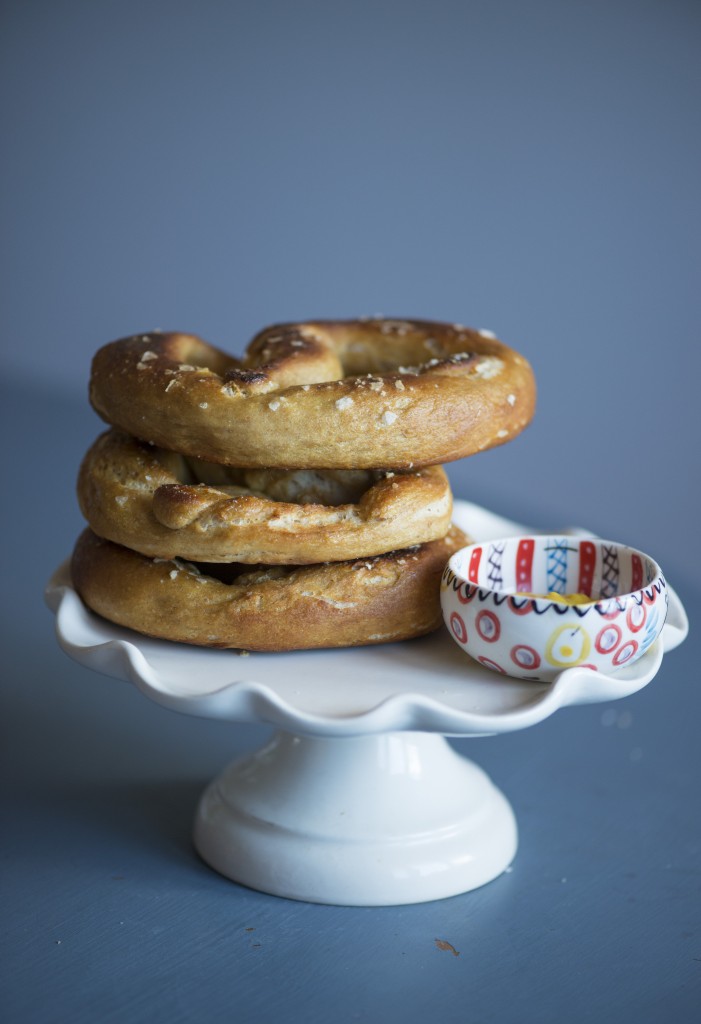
pixel 109 914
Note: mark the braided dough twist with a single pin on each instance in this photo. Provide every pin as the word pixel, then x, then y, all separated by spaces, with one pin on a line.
pixel 147 499
pixel 373 394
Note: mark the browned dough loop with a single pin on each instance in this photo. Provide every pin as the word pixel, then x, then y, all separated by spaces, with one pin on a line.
pixel 148 499
pixel 354 394
pixel 274 608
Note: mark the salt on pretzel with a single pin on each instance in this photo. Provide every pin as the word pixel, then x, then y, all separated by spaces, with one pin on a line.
pixel 150 500
pixel 361 394
pixel 273 608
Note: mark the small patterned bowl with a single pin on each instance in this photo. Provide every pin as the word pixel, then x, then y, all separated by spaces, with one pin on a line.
pixel 490 595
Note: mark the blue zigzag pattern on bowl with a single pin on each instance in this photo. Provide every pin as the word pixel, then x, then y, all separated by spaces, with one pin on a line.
pixel 603 608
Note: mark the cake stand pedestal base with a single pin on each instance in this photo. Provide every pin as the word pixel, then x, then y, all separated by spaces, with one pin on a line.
pixel 373 820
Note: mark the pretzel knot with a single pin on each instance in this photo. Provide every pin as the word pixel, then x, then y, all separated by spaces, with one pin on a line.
pixel 354 394
pixel 161 504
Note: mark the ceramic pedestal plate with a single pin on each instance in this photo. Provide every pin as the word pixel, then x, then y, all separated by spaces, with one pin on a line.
pixel 358 799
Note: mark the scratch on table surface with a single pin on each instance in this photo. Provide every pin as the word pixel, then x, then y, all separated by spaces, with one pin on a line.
pixel 447 946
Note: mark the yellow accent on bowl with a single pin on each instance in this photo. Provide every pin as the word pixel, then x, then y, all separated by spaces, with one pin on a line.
pixel 567 655
pixel 562 598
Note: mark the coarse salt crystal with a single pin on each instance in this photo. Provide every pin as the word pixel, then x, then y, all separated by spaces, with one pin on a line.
pixel 121 499
pixel 502 433
pixel 489 367
pixel 204 405
pixel 344 403
pixel 399 385
pixel 173 573
pixel 388 418
pixel 511 399
pixel 148 356
pixel 486 334
pixel 171 384
pixel 274 405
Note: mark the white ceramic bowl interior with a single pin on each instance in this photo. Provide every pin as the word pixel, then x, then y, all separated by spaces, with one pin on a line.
pixel 495 604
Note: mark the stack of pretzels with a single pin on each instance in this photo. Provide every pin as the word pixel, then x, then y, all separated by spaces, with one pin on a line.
pixel 293 498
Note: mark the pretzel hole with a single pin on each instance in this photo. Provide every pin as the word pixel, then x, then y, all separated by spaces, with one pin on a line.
pixel 242 575
pixel 298 486
pixel 202 485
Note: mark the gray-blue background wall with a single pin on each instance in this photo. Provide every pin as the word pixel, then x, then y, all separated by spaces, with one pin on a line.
pixel 531 168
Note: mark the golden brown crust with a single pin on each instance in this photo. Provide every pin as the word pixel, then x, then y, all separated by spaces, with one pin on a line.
pixel 392 394
pixel 391 597
pixel 145 498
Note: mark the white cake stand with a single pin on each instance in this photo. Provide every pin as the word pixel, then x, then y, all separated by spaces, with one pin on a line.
pixel 358 800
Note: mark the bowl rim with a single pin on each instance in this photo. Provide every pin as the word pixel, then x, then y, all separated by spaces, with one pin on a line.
pixel 544 600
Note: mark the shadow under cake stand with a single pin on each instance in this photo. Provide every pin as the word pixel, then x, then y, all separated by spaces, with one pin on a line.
pixel 358 799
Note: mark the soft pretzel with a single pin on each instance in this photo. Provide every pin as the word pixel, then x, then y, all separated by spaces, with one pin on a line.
pixel 361 394
pixel 149 499
pixel 271 608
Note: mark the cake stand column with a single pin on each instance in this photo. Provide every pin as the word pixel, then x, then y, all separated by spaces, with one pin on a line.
pixel 361 821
